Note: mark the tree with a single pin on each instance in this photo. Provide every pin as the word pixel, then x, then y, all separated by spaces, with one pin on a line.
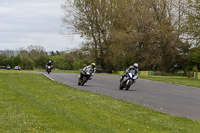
pixel 194 58
pixel 1 59
pixel 143 31
pixel 9 61
pixel 52 53
pixel 27 63
pixel 17 60
pixel 148 32
pixel 41 61
pixel 192 23
pixel 35 51
pixel 91 19
pixel 23 53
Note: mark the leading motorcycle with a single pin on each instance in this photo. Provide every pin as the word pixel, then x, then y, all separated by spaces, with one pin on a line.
pixel 85 78
pixel 127 81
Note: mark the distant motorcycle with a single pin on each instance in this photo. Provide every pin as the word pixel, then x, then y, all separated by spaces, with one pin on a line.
pixel 86 77
pixel 48 69
pixel 127 81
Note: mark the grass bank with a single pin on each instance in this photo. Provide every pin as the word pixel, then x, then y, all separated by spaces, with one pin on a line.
pixel 30 102
pixel 174 79
pixel 170 78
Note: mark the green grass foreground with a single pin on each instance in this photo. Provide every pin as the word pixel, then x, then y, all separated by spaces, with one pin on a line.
pixel 174 79
pixel 30 102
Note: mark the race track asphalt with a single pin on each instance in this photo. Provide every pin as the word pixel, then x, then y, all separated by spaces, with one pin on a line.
pixel 173 99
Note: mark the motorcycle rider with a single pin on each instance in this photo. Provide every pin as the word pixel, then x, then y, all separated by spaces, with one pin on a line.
pixel 91 68
pixel 134 67
pixel 49 64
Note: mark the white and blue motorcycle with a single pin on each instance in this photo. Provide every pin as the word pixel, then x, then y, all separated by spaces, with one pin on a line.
pixel 127 81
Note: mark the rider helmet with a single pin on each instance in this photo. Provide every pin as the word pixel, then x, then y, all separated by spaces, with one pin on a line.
pixel 135 65
pixel 49 61
pixel 93 64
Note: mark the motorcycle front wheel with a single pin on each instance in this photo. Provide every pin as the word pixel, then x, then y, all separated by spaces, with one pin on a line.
pixel 121 87
pixel 84 81
pixel 128 85
pixel 48 71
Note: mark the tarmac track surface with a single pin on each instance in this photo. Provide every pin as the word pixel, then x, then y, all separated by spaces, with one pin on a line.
pixel 169 98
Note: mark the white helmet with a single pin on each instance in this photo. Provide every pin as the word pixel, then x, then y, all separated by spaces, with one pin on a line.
pixel 135 65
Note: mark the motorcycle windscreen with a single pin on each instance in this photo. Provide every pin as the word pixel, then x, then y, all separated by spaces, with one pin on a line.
pixel 133 72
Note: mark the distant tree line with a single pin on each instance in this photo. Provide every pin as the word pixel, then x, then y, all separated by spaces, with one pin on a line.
pixel 35 57
pixel 158 34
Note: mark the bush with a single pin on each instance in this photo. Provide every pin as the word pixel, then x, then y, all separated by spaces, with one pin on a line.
pixel 190 74
pixel 195 68
pixel 41 61
pixel 9 61
pixel 27 64
pixel 60 62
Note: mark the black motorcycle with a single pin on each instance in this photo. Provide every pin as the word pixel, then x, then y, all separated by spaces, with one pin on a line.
pixel 48 69
pixel 127 81
pixel 85 78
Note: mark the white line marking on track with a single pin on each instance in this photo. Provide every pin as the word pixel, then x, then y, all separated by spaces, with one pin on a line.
pixel 48 77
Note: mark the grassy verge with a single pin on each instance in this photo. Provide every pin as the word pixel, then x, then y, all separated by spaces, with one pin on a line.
pixel 32 103
pixel 174 79
pixel 180 78
pixel 41 70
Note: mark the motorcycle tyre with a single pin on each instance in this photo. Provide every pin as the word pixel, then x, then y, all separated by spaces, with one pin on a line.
pixel 48 70
pixel 121 87
pixel 84 81
pixel 127 87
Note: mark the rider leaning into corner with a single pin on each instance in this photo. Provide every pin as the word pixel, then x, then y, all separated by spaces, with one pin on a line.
pixel 49 64
pixel 91 68
pixel 134 67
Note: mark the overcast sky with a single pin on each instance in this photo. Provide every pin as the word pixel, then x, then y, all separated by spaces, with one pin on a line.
pixel 36 22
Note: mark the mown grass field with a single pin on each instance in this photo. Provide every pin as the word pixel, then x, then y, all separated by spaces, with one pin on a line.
pixel 30 102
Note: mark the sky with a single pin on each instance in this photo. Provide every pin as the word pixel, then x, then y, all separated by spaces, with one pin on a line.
pixel 36 22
